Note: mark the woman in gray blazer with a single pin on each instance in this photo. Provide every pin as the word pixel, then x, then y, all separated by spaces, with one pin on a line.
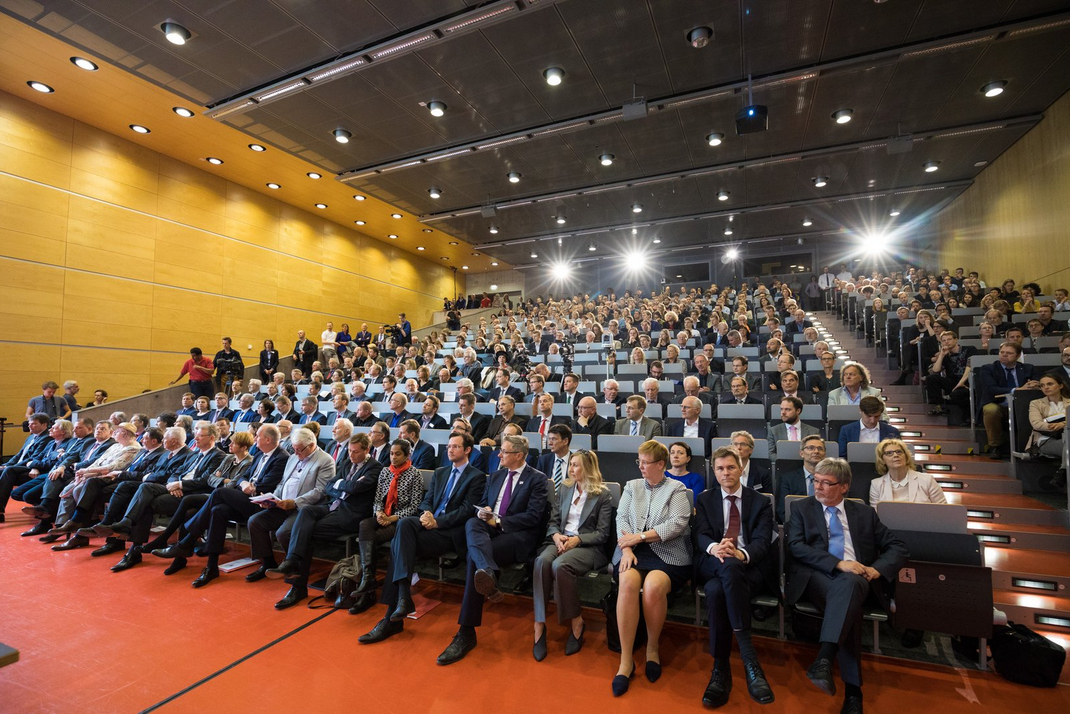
pixel 579 528
pixel 900 479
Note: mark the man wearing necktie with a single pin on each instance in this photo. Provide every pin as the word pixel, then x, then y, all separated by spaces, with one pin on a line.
pixel 439 529
pixel 507 528
pixel 351 496
pixel 555 461
pixel 994 382
pixel 791 427
pixel 841 555
pixel 17 470
pixel 735 527
pixel 800 482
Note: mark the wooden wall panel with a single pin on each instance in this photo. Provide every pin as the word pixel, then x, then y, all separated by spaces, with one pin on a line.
pixel 115 260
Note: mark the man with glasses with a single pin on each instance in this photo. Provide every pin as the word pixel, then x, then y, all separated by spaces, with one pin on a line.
pixel 589 421
pixel 800 482
pixel 753 476
pixel 635 423
pixel 691 424
pixel 507 529
pixel 841 554
pixel 870 429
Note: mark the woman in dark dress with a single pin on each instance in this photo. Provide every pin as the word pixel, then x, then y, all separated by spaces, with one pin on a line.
pixel 269 361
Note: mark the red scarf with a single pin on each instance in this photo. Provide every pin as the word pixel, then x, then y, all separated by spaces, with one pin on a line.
pixel 392 492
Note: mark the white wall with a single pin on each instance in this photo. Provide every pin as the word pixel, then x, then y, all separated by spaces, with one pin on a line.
pixel 508 281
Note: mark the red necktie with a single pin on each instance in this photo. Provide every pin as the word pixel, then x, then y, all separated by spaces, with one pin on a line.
pixel 733 520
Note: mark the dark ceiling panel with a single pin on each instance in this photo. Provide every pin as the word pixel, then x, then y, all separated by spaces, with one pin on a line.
pixel 783 34
pixel 716 63
pixel 414 13
pixel 345 24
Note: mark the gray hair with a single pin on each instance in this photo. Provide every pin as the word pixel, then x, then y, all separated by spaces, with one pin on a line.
pixel 466 382
pixel 836 468
pixel 205 425
pixel 302 437
pixel 271 431
pixel 345 423
pixel 65 426
pixel 70 383
pixel 519 443
pixel 176 432
pixel 246 400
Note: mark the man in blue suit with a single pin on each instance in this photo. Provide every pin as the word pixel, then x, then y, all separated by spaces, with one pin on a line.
pixel 17 470
pixel 507 528
pixel 309 412
pixel 502 386
pixel 692 424
pixel 870 428
pixel 423 454
pixel 554 463
pixel 994 382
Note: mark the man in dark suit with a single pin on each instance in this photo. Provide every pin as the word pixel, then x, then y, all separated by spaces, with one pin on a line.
pixel 544 417
pixel 362 338
pixel 466 405
pixel 310 412
pixel 399 412
pixel 506 414
pixel 350 498
pixel 589 421
pixel 341 410
pixel 800 482
pixel 365 416
pixel 49 475
pixel 708 379
pixel 734 525
pixel 429 417
pixel 841 553
pixel 305 352
pixel 797 325
pixel 570 393
pixel 507 529
pixel 554 463
pixel 994 383
pixel 380 436
pixel 754 476
pixel 611 393
pixel 692 424
pixel 17 470
pixel 740 393
pixel 693 388
pixel 423 454
pixel 439 529
pixel 502 386
pixel 222 409
pixel 870 425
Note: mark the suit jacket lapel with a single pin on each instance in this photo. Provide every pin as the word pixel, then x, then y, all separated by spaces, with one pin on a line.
pixel 719 526
pixel 566 503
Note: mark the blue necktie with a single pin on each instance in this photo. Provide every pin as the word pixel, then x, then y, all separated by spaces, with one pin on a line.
pixel 448 492
pixel 1011 381
pixel 810 485
pixel 835 533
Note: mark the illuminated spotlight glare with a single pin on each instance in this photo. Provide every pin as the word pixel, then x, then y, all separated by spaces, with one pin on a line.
pixel 807 222
pixel 182 112
pixel 83 63
pixel 894 212
pixel 842 116
pixel 931 166
pixel 554 76
pixel 40 87
pixel 820 181
pixel 313 175
pixel 358 197
pixel 606 159
pixel 656 240
pixel 342 136
pixel 714 139
pixel 637 208
pixel 395 215
pixel 722 195
pixel 140 129
pixel 214 161
pixel 257 147
pixel 493 230
pixel 994 89
pixel 494 263
pixel 437 109
pixel 273 185
pixel 732 254
pixel 175 33
pixel 434 192
pixel 514 176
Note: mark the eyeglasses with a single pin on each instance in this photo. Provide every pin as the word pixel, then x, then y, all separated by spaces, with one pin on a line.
pixel 893 452
pixel 813 448
pixel 823 483
pixel 742 445
pixel 640 463
pixel 503 452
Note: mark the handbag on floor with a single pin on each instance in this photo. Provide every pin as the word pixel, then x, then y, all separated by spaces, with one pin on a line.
pixel 609 609
pixel 1025 657
pixel 341 584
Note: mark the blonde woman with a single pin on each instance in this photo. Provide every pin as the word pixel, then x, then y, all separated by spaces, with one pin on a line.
pixel 900 479
pixel 577 533
pixel 637 356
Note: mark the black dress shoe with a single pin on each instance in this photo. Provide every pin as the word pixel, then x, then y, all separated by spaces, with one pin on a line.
pixel 175 550
pixel 653 671
pixel 128 561
pixel 50 538
pixel 104 530
pixel 207 575
pixel 382 630
pixel 757 685
pixel 449 563
pixel 461 645
pixel 851 705
pixel 285 569
pixel 68 527
pixel 293 597
pixel 72 543
pixel 404 609
pixel 122 527
pixel 718 689
pixel 539 650
pixel 39 529
pixel 363 603
pixel 487 585
pixel 575 644
pixel 30 510
pixel 620 683
pixel 111 546
pixel 176 565
pixel 258 574
pixel 820 673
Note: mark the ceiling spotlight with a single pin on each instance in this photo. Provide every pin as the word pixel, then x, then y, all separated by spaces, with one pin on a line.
pixel 714 139
pixel 214 161
pixel 700 37
pixel 494 264
pixel 894 212
pixel 428 230
pixel 842 116
pixel 395 215
pixel 437 109
pixel 994 89
pixel 358 197
pixel 513 176
pixel 559 240
pixel 392 235
pixel 554 76
pixel 175 33
pixel 434 192
pixel 606 159
pixel 341 136
pixel 493 287
pixel 807 222
pixel 445 257
pixel 257 147
pixel 560 218
pixel 313 175
pixel 493 230
pixel 635 231
pixel 273 185
pixel 83 63
pixel 592 247
pixel 931 166
pixel 360 223
pixel 560 271
pixel 465 267
pixel 534 254
pixel 140 129
pixel 728 230
pixel 722 195
pixel 419 247
pixel 41 87
pixel 656 240
pixel 731 254
pixel 321 206
pixel 637 208
pixel 820 181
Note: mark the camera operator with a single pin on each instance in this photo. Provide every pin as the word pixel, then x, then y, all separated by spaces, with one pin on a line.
pixel 228 366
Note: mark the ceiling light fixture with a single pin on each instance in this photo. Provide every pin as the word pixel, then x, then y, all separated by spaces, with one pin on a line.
pixel 358 197
pixel 395 215
pixel 514 176
pixel 931 166
pixel 313 175
pixel 728 230
pixel 820 181
pixel 807 223
pixel 842 116
pixel 722 195
pixel 592 247
pixel 437 109
pixel 731 254
pixel 40 87
pixel 637 208
pixel 493 230
pixel 257 147
pixel 534 254
pixel 444 258
pixel 894 212
pixel 554 76
pixel 464 267
pixel 494 264
pixel 342 136
pixel 453 242
pixel 360 223
pixel 560 218
pixel 656 240
pixel 699 37
pixel 428 230
pixel 392 235
pixel 214 161
pixel 182 112
pixel 321 206
pixel 273 185
pixel 83 63
pixel 419 247
pixel 714 139
pixel 434 192
pixel 140 129
pixel 994 89
pixel 606 159
pixel 493 286
pixel 175 33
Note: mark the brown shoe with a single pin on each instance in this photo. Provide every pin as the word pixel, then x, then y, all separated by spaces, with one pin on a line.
pixel 68 527
pixel 72 543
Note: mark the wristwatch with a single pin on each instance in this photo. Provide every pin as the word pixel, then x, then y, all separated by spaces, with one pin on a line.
pixel 642 536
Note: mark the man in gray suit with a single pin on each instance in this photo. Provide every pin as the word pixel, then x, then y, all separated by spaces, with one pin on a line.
pixel 790 427
pixel 636 423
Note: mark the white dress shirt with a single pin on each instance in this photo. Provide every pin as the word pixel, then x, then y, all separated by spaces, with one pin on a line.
pixel 848 544
pixel 575 510
pixel 512 490
pixel 691 429
pixel 293 482
pixel 867 435
pixel 726 506
pixel 744 479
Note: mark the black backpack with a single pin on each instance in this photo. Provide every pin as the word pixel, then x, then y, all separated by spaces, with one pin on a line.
pixel 1025 657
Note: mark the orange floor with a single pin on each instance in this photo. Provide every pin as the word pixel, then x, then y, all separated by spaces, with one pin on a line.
pixel 94 641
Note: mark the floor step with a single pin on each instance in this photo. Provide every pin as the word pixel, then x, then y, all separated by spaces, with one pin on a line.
pixel 936 433
pixel 901 421
pixel 979 483
pixel 1008 508
pixel 961 464
pixel 1022 536
pixel 947 446
pixel 1033 610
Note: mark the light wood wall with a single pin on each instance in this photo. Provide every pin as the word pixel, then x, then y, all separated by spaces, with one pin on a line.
pixel 115 260
pixel 1014 221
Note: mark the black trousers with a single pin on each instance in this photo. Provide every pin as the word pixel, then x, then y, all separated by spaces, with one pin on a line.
pixel 729 587
pixel 31 491
pixel 119 502
pixel 488 549
pixel 370 530
pixel 260 527
pixel 150 499
pixel 187 507
pixel 223 506
pixel 840 599
pixel 317 523
pixel 411 541
pixel 937 385
pixel 95 494
pixel 11 477
pixel 202 389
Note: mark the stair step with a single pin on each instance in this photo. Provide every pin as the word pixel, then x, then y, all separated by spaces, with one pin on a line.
pixel 906 421
pixel 980 483
pixel 947 446
pixel 1022 536
pixel 1008 508
pixel 948 464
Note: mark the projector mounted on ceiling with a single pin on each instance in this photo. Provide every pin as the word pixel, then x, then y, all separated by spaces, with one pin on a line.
pixel 752 119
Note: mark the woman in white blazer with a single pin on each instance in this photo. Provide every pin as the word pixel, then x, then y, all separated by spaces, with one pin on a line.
pixel 900 480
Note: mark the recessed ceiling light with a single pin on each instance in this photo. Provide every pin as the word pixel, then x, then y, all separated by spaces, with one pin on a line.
pixel 395 215
pixel 444 258
pixel 894 212
pixel 493 230
pixel 820 181
pixel 313 175
pixel 993 89
pixel 592 247
pixel 360 223
pixel 534 254
pixel 40 87
pixel 140 129
pixel 493 286
pixel 514 176
pixel 464 267
pixel 182 112
pixel 453 242
pixel 979 164
pixel 807 222
pixel 931 166
pixel 437 109
pixel 656 240
pixel 553 76
pixel 273 185
pixel 428 230
pixel 494 263
pixel 842 116
pixel 83 63
pixel 714 139
pixel 560 218
pixel 175 33
pixel 419 247
pixel 728 230
pixel 341 136
pixel 722 195
pixel 257 147
pixel 214 161
pixel 606 159
pixel 637 208
pixel 392 235
pixel 635 231
pixel 321 205
pixel 434 192
pixel 680 276
pixel 699 37
pixel 475 255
